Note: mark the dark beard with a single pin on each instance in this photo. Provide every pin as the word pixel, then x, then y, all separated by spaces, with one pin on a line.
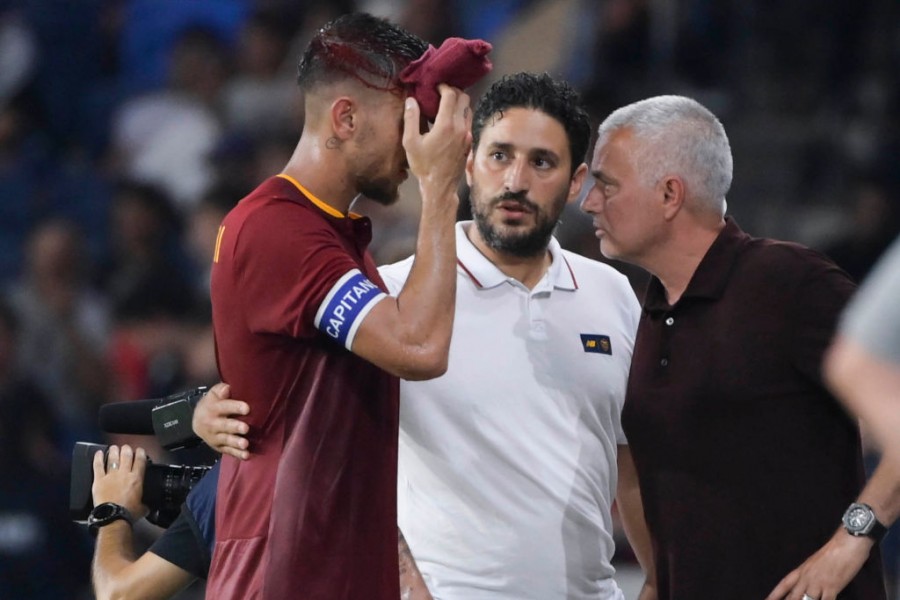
pixel 380 191
pixel 523 245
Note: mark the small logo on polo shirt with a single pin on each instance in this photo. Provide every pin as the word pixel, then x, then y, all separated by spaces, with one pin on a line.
pixel 592 342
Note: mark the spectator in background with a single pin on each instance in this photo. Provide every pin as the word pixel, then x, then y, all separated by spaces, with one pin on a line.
pixel 43 555
pixel 431 20
pixel 874 221
pixel 64 325
pixel 165 136
pixel 146 270
pixel 18 55
pixel 261 97
pixel 150 29
pixel 18 183
pixel 147 281
pixel 200 235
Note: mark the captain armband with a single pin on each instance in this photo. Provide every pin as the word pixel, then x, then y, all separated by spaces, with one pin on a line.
pixel 346 305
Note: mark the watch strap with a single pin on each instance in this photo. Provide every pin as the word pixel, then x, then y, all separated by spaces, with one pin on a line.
pixel 874 529
pixel 117 512
pixel 878 531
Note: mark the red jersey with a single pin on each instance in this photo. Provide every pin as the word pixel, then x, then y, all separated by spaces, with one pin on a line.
pixel 312 513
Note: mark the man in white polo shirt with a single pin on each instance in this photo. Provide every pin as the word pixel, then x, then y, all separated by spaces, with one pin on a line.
pixel 510 462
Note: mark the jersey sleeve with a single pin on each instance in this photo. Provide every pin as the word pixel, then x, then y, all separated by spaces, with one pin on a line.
pixel 299 278
pixel 180 546
pixel 819 299
pixel 345 306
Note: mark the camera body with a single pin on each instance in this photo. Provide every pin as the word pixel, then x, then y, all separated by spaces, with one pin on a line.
pixel 165 486
pixel 172 419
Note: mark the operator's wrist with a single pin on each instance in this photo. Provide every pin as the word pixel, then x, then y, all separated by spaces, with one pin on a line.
pixel 136 510
pixel 116 527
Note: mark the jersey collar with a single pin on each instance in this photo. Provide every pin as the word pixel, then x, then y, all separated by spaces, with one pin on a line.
pixel 320 204
pixel 485 274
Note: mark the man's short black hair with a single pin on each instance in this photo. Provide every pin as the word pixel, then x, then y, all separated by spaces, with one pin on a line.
pixel 541 92
pixel 359 45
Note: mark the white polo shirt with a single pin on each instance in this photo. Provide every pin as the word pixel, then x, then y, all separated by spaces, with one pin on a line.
pixel 507 467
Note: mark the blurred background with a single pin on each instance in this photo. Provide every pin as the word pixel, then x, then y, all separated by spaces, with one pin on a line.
pixel 128 128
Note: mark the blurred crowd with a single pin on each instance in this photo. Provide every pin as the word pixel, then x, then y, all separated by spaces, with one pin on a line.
pixel 128 128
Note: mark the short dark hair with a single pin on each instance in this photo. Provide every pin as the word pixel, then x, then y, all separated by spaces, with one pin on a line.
pixel 370 49
pixel 541 92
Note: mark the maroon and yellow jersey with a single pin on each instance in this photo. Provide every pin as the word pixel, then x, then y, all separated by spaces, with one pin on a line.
pixel 312 513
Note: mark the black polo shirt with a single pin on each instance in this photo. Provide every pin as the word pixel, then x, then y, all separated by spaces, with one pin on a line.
pixel 745 461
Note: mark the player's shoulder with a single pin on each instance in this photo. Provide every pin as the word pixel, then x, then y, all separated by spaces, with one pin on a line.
pixel 786 259
pixel 273 209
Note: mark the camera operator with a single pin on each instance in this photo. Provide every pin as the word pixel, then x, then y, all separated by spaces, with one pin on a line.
pixel 174 561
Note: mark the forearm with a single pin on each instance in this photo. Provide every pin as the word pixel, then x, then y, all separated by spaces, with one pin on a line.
pixel 870 387
pixel 113 554
pixel 118 576
pixel 409 335
pixel 426 302
pixel 882 492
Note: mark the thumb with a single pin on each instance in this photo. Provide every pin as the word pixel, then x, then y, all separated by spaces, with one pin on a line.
pixel 410 121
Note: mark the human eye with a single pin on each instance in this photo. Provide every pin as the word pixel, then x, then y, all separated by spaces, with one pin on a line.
pixel 498 155
pixel 609 189
pixel 544 160
pixel 605 186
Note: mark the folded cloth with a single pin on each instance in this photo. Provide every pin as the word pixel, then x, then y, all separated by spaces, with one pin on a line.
pixel 458 62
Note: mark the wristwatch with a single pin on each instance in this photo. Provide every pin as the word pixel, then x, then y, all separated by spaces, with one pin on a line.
pixel 106 513
pixel 859 519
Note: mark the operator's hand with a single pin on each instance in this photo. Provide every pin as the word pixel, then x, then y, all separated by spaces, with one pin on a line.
pixel 216 424
pixel 437 157
pixel 828 571
pixel 121 480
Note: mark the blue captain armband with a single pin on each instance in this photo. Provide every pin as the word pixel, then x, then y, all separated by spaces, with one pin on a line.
pixel 346 305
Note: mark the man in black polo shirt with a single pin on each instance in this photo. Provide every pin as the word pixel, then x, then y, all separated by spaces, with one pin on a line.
pixel 746 463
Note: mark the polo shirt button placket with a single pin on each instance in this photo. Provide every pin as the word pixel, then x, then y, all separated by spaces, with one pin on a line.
pixel 669 321
pixel 537 327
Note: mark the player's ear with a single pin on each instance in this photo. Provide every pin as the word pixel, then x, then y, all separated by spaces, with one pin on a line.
pixel 344 117
pixel 673 195
pixel 577 182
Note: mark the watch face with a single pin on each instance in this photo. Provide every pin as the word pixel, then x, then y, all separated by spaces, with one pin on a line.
pixel 104 511
pixel 858 518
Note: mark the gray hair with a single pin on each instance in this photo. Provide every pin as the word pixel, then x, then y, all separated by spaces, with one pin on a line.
pixel 678 135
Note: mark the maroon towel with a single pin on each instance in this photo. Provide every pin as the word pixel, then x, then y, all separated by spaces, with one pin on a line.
pixel 457 62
